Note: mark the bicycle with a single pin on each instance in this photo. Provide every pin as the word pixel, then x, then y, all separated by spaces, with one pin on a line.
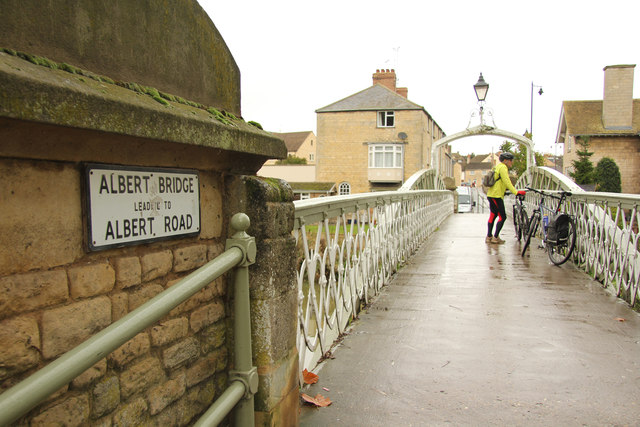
pixel 520 218
pixel 559 234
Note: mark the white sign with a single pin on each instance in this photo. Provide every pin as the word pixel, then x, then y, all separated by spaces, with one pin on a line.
pixel 131 205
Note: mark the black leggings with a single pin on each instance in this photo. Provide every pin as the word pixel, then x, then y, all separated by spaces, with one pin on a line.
pixel 497 211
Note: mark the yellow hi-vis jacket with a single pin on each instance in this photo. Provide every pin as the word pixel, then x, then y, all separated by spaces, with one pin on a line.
pixel 503 183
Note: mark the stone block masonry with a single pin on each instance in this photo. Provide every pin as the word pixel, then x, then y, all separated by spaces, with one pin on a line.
pixel 59 114
pixel 45 314
pixel 54 294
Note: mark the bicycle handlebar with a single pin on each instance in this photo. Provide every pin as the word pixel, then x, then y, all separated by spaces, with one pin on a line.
pixel 563 193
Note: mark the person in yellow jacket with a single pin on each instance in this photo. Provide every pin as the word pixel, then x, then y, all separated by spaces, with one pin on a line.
pixel 495 195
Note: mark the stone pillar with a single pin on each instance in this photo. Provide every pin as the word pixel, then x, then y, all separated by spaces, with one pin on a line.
pixel 269 204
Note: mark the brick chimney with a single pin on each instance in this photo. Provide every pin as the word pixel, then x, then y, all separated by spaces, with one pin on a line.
pixel 617 105
pixel 387 78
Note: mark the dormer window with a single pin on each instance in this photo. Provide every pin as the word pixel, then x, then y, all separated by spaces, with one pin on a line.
pixel 386 119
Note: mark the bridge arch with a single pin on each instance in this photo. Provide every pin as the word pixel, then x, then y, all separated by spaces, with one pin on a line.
pixel 482 129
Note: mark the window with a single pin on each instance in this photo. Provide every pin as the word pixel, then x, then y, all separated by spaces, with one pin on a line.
pixel 386 119
pixel 311 157
pixel 344 189
pixel 305 196
pixel 385 156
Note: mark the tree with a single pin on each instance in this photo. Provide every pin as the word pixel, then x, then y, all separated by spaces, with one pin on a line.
pixel 607 176
pixel 292 160
pixel 583 168
pixel 520 157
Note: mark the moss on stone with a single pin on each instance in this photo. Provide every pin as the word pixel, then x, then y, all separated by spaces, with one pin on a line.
pixel 161 100
pixel 219 116
pixel 224 117
pixel 262 189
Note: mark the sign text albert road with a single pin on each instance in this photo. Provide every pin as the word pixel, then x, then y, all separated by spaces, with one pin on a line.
pixel 132 205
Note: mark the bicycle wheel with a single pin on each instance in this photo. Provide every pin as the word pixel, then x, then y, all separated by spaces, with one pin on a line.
pixel 524 222
pixel 516 222
pixel 559 254
pixel 533 225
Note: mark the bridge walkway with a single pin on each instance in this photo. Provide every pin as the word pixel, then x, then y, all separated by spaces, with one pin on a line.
pixel 474 334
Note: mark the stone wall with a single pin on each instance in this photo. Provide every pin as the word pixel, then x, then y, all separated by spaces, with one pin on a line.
pixel 55 293
pixel 172 371
pixel 274 295
pixel 171 45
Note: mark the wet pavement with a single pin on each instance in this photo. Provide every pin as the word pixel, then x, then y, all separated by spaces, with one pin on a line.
pixel 473 334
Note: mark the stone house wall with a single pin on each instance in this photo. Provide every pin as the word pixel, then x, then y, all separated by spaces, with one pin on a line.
pixel 308 149
pixel 343 151
pixel 624 150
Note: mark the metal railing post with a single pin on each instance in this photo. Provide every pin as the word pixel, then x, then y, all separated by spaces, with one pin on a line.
pixel 244 372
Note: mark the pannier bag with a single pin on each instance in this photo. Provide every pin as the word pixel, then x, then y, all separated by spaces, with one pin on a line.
pixel 489 178
pixel 558 230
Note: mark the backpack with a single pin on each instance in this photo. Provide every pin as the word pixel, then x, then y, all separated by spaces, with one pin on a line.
pixel 489 178
pixel 558 229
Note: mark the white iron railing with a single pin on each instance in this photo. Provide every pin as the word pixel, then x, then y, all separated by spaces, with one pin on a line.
pixel 349 247
pixel 607 231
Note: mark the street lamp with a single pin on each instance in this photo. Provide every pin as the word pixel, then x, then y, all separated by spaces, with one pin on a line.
pixel 481 88
pixel 540 92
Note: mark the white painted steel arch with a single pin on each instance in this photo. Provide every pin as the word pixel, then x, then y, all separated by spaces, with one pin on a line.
pixel 481 130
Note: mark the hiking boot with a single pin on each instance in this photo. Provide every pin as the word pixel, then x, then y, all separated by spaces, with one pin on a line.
pixel 487 239
pixel 497 240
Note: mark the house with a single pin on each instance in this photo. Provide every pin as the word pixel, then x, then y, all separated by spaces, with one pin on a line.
pixel 458 161
pixel 375 139
pixel 476 167
pixel 299 144
pixel 612 126
pixel 301 177
pixel 311 190
pixel 552 161
pixel 468 170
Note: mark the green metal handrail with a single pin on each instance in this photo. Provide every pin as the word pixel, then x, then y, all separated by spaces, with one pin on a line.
pixel 241 252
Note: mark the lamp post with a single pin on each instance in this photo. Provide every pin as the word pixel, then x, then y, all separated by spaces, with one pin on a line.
pixel 481 88
pixel 540 92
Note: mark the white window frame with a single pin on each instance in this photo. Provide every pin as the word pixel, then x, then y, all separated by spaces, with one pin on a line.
pixel 344 189
pixel 388 156
pixel 311 157
pixel 305 196
pixel 386 119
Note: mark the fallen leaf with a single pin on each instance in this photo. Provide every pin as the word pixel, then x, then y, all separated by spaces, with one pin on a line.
pixel 309 377
pixel 620 319
pixel 319 400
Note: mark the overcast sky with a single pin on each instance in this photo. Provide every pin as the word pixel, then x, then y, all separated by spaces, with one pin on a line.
pixel 296 56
